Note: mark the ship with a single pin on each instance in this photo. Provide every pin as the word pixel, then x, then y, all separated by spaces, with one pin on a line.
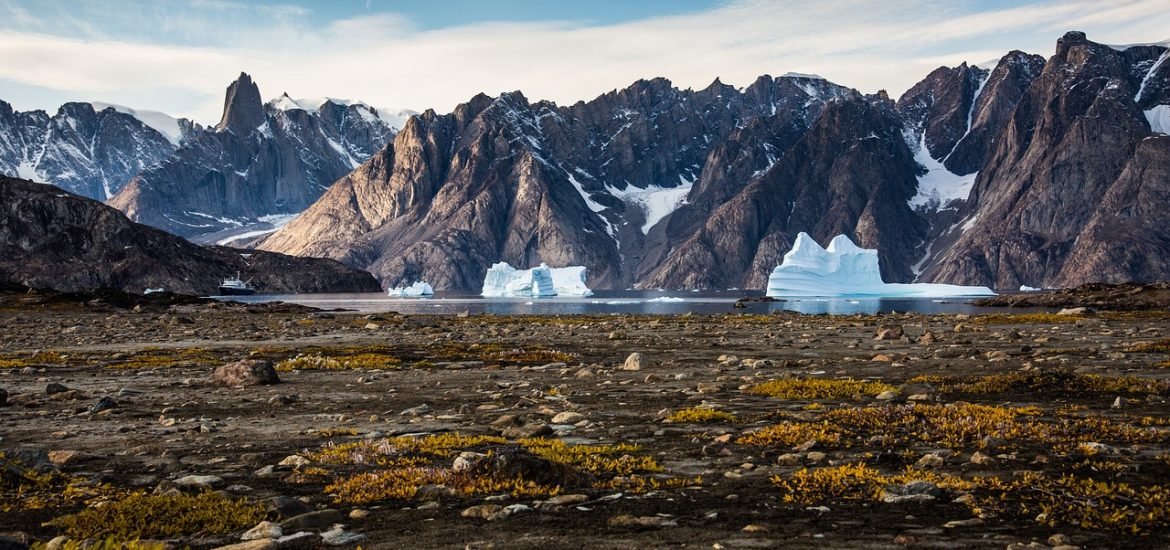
pixel 233 286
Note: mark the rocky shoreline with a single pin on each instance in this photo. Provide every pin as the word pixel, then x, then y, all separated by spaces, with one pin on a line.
pixel 607 431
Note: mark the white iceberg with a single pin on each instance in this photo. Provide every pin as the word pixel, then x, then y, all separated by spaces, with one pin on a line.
pixel 845 269
pixel 1026 288
pixel 415 290
pixel 569 281
pixel 504 281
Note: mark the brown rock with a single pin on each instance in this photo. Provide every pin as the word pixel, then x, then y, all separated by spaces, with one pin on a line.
pixel 247 372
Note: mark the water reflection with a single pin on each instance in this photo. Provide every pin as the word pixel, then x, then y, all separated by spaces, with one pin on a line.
pixel 622 301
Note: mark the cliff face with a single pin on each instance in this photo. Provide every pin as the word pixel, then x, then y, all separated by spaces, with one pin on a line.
pixel 260 160
pixel 1060 185
pixel 52 239
pixel 613 184
pixel 1035 162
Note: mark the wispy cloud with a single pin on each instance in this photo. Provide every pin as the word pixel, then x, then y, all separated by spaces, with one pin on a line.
pixel 92 49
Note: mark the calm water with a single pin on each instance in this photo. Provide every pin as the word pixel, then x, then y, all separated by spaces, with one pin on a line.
pixel 616 301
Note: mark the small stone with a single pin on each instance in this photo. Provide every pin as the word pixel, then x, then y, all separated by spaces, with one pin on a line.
pixel 54 387
pixel 294 461
pixel 568 417
pixel 789 459
pixel 635 361
pixel 1059 540
pixel 103 404
pixel 466 460
pixel 644 522
pixel 886 395
pixel 816 456
pixel 481 511
pixel 259 544
pixel 927 339
pixel 358 513
pixel 567 500
pixel 199 481
pixel 889 332
pixel 915 491
pixel 536 429
pixel 338 536
pixel 372 326
pixel 929 461
pixel 1118 403
pixel 416 411
pixel 246 372
pixel 64 458
pixel 316 521
pixel 973 522
pixel 263 530
pixel 755 528
pixel 1078 311
pixel 709 387
pixel 882 358
pixel 981 459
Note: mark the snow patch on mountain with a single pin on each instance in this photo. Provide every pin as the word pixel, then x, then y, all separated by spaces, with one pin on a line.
pixel 1159 118
pixel 938 187
pixel 655 201
pixel 165 124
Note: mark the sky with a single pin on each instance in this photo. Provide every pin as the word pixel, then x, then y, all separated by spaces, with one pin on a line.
pixel 178 56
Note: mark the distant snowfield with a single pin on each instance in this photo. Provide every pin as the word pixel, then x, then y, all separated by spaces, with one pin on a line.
pixel 166 125
pixel 264 226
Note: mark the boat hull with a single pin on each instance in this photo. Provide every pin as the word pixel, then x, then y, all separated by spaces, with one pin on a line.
pixel 229 291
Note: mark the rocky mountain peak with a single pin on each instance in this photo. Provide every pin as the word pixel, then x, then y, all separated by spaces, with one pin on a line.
pixel 243 110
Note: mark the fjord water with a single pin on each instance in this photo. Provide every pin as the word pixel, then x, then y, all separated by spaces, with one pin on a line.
pixel 617 301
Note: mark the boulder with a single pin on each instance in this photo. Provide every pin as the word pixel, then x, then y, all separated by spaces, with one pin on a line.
pixel 247 372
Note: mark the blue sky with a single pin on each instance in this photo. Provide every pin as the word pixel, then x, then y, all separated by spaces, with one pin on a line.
pixel 178 56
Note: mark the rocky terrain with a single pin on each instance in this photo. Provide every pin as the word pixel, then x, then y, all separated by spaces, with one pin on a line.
pixel 297 428
pixel 976 176
pixel 52 239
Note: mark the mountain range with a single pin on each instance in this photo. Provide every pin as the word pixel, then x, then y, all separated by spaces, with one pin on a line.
pixel 1039 172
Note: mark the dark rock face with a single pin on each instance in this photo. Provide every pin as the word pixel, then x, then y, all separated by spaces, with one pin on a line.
pixel 260 160
pixel 851 174
pixel 1069 192
pixel 590 184
pixel 940 107
pixel 91 153
pixel 51 239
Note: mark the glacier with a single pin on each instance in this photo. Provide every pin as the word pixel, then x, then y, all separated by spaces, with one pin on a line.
pixel 415 290
pixel 845 269
pixel 504 281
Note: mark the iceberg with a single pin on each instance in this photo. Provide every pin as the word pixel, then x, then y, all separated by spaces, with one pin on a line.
pixel 845 269
pixel 415 290
pixel 504 281
pixel 569 281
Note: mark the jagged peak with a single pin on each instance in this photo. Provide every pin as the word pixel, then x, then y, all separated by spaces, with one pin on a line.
pixel 243 110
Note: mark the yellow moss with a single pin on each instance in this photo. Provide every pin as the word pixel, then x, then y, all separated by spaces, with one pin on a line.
pixel 595 459
pixel 1069 501
pixel 157 516
pixel 638 484
pixel 1026 319
pixel 852 482
pixel 818 388
pixel 337 432
pixel 367 361
pixel 700 415
pixel 38 359
pixel 23 488
pixel 110 543
pixel 404 483
pixel 1049 381
pixel 162 358
pixel 789 434
pixel 1159 346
